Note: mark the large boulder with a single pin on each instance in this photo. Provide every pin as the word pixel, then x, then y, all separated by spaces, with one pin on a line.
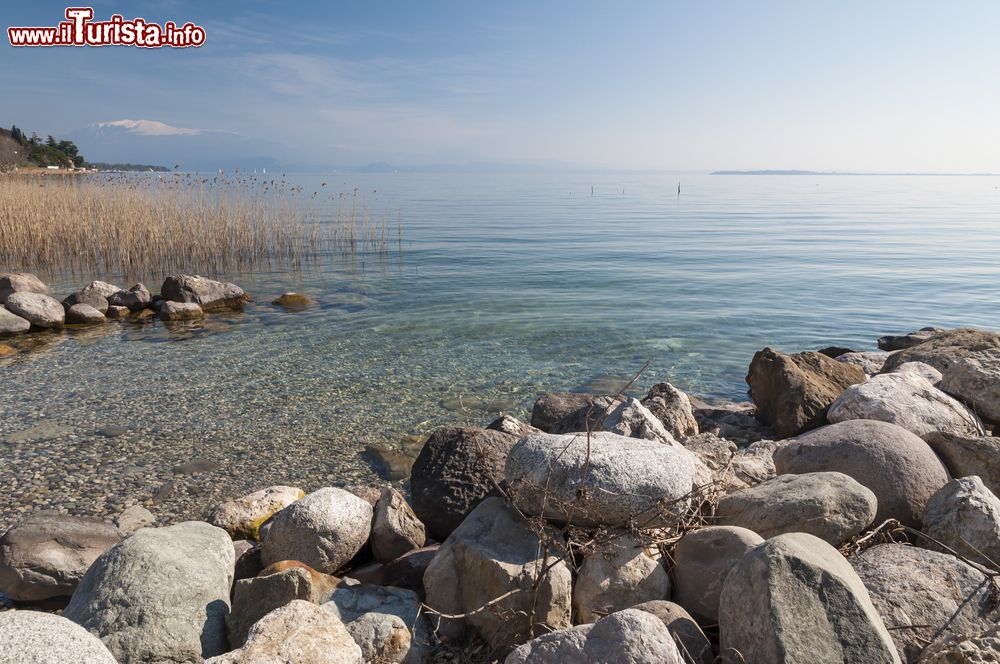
pixel 793 392
pixel 46 554
pixel 940 350
pixel 908 400
pixel 84 314
pixel 616 575
pixel 702 559
pixel 388 623
pixel 932 375
pixel 924 596
pixel 795 599
pixel 495 572
pixel 965 516
pixel 673 408
pixel 692 643
pixel 136 298
pixel 608 480
pixel 965 456
pixel 975 379
pixel 40 310
pixel 243 516
pixel 626 637
pixel 324 530
pixel 552 407
pixel 20 282
pixel 297 632
pixel 395 528
pixel 829 505
pixel 160 595
pixel 256 597
pixel 624 416
pixel 174 311
pixel 896 465
pixel 12 323
pixel 208 294
pixel 456 469
pixel 33 636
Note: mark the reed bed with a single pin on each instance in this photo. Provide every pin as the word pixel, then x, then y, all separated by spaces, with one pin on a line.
pixel 135 226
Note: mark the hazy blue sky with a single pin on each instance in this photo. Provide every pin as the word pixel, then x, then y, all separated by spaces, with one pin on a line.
pixel 903 85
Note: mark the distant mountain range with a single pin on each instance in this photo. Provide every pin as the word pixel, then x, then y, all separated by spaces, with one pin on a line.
pixel 152 142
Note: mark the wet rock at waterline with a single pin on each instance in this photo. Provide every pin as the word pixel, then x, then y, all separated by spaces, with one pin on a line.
pixel 210 295
pixel 12 323
pixel 160 595
pixel 84 314
pixel 20 282
pixel 793 392
pixel 117 313
pixel 895 464
pixel 175 311
pixel 40 310
pixel 608 480
pixel 552 407
pixel 893 342
pixel 456 469
pixel 292 301
pixel 46 554
pixel 134 299
pixel 795 600
pixel 324 530
pixel 96 295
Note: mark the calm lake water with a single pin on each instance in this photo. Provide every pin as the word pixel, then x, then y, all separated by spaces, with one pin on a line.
pixel 501 288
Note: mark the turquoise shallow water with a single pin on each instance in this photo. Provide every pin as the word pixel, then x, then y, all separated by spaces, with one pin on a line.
pixel 502 287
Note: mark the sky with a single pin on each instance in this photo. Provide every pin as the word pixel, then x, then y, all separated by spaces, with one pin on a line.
pixel 857 86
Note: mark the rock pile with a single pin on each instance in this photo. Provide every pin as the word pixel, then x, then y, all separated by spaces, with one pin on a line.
pixel 837 518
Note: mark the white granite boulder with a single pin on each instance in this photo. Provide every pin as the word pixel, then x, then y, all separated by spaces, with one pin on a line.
pixel 33 636
pixel 616 575
pixel 965 516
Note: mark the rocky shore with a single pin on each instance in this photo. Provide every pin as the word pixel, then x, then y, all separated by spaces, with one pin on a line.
pixel 848 514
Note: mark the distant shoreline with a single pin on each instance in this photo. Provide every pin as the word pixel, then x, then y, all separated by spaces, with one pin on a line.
pixel 799 172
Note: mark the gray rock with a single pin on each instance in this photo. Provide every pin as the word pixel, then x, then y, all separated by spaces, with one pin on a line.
pixel 40 310
pixel 84 314
pixel 924 596
pixel 970 456
pixel 795 599
pixel 161 595
pixel 552 407
pixel 20 282
pixel 46 554
pixel 395 528
pixel 673 408
pixel 248 563
pixel 624 416
pixel 626 637
pixel 975 379
pixel 12 323
pixel 511 425
pixel 95 294
pixel 869 362
pixel 906 399
pixel 792 392
pixel 297 632
pixel 830 505
pixel 243 516
pixel 324 530
pixel 894 342
pixel 133 518
pixel 932 375
pixel 731 468
pixel 487 570
pixel 612 480
pixel 899 468
pixel 702 559
pixel 965 649
pixel 254 598
pixel 735 422
pixel 456 469
pixel 408 570
pixel 691 642
pixel 210 295
pixel 180 311
pixel 944 348
pixel 116 313
pixel 965 516
pixel 32 636
pixel 616 575
pixel 387 623
pixel 135 298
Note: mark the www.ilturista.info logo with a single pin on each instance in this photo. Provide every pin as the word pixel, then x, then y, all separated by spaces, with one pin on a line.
pixel 80 30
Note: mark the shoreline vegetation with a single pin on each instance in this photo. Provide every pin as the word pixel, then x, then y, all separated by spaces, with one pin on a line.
pixel 132 227
pixel 848 513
